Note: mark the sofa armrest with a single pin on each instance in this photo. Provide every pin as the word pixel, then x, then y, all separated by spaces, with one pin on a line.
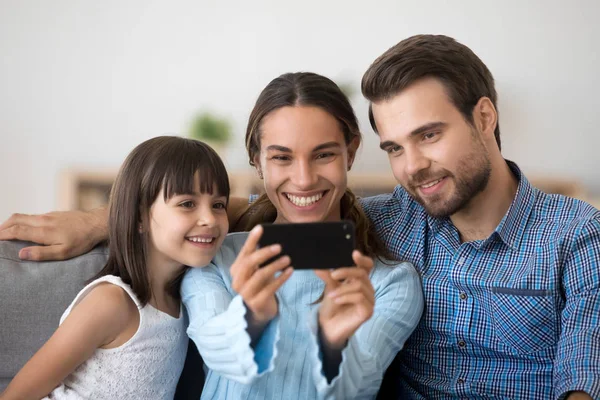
pixel 33 296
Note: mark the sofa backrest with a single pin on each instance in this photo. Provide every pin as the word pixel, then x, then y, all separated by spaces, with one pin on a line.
pixel 33 296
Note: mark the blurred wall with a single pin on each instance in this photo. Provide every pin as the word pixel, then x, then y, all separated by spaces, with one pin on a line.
pixel 82 82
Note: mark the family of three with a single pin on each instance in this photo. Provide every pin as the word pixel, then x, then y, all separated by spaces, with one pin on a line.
pixel 468 282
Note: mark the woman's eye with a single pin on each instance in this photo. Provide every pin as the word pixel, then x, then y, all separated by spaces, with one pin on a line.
pixel 324 155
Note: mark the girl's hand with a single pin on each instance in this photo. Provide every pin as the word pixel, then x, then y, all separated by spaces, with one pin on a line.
pixel 348 301
pixel 257 285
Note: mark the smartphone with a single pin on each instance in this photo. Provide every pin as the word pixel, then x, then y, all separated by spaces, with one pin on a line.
pixel 314 245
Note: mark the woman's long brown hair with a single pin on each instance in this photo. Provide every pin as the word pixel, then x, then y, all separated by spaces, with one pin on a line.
pixel 309 89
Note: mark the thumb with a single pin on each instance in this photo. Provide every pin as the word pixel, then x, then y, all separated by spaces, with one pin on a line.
pixel 325 276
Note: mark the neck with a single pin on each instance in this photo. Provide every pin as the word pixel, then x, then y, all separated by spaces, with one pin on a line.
pixel 159 275
pixel 481 216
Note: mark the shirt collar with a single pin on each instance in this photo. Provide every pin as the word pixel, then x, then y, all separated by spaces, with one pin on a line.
pixel 511 227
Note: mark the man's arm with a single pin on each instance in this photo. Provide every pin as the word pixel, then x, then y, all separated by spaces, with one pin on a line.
pixel 577 362
pixel 61 234
pixel 67 234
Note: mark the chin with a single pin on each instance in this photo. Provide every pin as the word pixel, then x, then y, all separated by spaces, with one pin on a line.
pixel 305 218
pixel 197 262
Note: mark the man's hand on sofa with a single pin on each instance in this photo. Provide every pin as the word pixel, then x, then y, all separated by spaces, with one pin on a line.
pixel 62 235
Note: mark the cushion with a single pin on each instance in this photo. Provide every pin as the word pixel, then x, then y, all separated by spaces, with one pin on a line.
pixel 33 296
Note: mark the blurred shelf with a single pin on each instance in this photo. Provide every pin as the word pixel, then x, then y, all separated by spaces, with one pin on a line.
pixel 84 189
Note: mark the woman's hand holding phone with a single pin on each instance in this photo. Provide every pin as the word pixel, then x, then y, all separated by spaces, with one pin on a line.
pixel 256 285
pixel 349 301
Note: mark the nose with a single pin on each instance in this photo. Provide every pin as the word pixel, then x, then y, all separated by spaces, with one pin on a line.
pixel 304 174
pixel 416 162
pixel 206 216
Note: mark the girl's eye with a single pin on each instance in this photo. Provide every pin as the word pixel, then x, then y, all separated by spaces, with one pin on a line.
pixel 187 204
pixel 220 206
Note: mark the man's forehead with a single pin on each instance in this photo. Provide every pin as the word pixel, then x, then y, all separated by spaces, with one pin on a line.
pixel 409 111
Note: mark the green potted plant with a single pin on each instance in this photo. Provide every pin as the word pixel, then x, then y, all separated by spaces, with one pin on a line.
pixel 212 130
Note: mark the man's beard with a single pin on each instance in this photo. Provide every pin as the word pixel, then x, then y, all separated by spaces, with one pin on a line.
pixel 473 174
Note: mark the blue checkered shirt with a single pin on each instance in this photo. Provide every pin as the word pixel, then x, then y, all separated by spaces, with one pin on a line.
pixel 514 316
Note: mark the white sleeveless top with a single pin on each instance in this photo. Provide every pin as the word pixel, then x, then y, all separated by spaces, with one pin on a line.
pixel 146 367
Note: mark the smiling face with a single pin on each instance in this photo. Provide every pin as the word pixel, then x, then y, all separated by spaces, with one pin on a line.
pixel 187 229
pixel 437 156
pixel 304 160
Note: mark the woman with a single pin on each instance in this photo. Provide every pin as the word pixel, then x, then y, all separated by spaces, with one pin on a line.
pixel 272 332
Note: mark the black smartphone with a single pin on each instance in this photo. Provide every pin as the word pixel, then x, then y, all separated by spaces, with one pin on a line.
pixel 314 245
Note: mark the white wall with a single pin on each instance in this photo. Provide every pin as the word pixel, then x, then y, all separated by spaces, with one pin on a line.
pixel 82 82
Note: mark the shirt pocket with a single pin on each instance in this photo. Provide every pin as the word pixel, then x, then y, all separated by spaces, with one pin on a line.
pixel 525 319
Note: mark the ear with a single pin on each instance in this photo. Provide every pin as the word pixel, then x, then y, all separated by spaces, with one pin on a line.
pixel 485 117
pixel 352 148
pixel 257 166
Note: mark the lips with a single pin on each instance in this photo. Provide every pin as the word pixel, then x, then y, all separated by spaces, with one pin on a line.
pixel 430 184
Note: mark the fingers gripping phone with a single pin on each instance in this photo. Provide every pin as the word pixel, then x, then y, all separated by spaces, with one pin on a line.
pixel 315 245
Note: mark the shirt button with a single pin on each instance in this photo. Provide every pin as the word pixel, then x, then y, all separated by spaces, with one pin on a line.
pixel 460 262
pixel 460 381
pixel 463 296
pixel 461 343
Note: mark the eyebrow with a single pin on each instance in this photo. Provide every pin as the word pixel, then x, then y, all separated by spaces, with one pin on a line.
pixel 416 132
pixel 328 145
pixel 276 147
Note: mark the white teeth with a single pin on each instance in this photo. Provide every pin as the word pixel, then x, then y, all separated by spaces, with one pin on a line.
pixel 200 240
pixel 304 201
pixel 431 184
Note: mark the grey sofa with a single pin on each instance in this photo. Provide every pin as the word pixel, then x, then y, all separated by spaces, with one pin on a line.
pixel 33 296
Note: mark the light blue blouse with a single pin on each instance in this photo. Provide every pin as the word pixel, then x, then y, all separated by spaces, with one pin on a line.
pixel 286 361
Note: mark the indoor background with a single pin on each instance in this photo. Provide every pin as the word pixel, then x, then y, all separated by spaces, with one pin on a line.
pixel 83 82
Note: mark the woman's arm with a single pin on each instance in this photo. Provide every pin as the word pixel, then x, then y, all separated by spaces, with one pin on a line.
pixel 371 348
pixel 235 334
pixel 96 321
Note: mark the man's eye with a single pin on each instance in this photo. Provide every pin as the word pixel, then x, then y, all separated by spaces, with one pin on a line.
pixel 429 135
pixel 394 149
pixel 280 158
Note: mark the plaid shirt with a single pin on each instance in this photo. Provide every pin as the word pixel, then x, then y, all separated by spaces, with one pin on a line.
pixel 514 316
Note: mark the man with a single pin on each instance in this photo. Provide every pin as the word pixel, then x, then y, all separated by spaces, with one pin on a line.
pixel 510 274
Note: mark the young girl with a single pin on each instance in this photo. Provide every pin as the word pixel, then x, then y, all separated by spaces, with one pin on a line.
pixel 123 337
pixel 275 333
